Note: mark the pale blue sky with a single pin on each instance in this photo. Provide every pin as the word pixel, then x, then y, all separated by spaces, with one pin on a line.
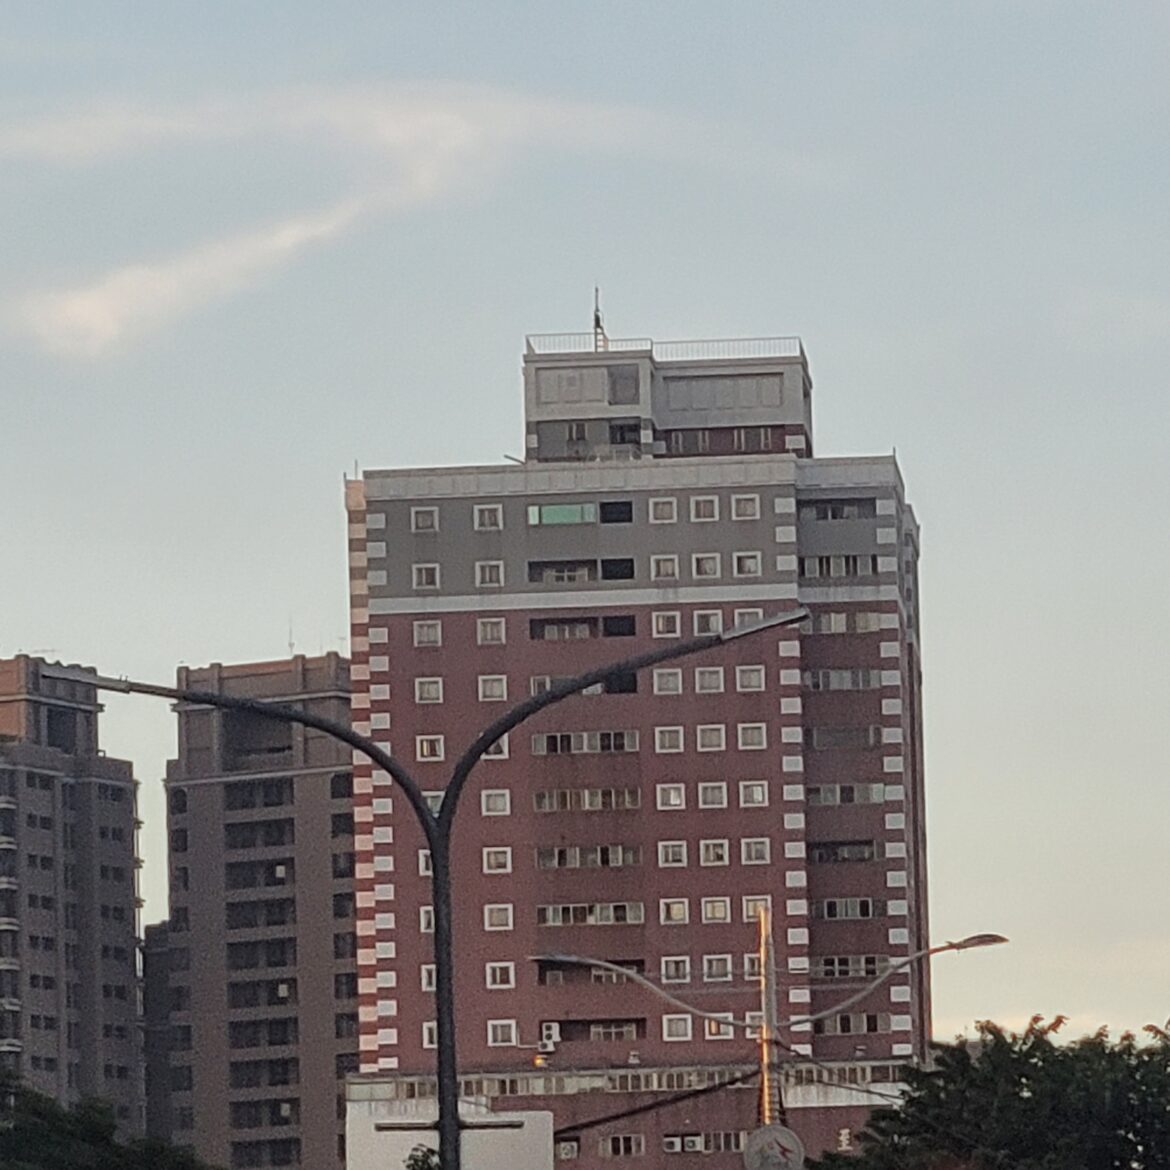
pixel 246 245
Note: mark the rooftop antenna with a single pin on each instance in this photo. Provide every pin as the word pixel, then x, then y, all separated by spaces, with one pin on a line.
pixel 292 647
pixel 600 341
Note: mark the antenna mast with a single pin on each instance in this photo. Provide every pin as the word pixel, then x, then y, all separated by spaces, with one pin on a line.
pixel 600 341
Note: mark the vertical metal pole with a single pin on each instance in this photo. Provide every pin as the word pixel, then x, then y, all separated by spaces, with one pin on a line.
pixel 771 1097
pixel 448 1069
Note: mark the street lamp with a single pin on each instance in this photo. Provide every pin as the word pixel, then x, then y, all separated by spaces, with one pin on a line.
pixel 437 825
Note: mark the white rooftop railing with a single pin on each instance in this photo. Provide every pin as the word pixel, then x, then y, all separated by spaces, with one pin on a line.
pixel 730 349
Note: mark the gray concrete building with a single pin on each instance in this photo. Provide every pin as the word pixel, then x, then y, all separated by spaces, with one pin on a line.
pixel 69 989
pixel 259 981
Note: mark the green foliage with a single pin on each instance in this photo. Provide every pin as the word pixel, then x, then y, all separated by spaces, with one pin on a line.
pixel 1023 1102
pixel 422 1158
pixel 38 1134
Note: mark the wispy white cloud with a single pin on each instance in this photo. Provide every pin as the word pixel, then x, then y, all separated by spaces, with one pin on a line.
pixel 426 139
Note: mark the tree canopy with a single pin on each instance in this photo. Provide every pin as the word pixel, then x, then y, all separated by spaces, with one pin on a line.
pixel 38 1134
pixel 1021 1101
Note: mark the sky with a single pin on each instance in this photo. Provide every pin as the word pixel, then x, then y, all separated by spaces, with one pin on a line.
pixel 248 248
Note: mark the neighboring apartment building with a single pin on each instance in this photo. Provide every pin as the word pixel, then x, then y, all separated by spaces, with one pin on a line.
pixel 668 490
pixel 69 992
pixel 261 973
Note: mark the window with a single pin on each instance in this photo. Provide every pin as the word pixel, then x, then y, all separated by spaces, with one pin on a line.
pixel 500 976
pixel 497 859
pixel 755 851
pixel 562 514
pixel 497 916
pixel 663 510
pixel 498 750
pixel 591 914
pixel 716 968
pixel 666 625
pixel 672 854
pixel 667 682
pixel 708 621
pixel 617 568
pixel 747 564
pixel 429 748
pixel 746 617
pixel 676 1027
pixel 833 794
pixel 616 512
pixel 565 572
pixel 752 736
pixel 622 1145
pixel 489 574
pixel 430 1034
pixel 671 796
pixel 716 909
pixel 843 738
pixel 619 625
pixel 713 853
pixel 490 631
pixel 711 737
pixel 489 517
pixel 842 680
pixel 850 509
pixel 674 911
pixel 846 565
pixel 703 566
pixel 676 969
pixel 424 519
pixel 428 633
pixel 837 851
pixel 664 568
pixel 668 739
pixel 495 802
pixel 713 794
pixel 428 690
pixel 750 678
pixel 752 968
pixel 427 977
pixel 754 905
pixel 562 629
pixel 745 507
pixel 493 688
pixel 564 743
pixel 718 1030
pixel 425 576
pixel 426 919
pixel 704 508
pixel 708 680
pixel 424 863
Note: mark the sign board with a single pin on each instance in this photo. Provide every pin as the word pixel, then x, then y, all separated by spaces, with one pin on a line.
pixel 773 1147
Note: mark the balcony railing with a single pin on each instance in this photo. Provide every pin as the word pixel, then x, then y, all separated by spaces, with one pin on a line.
pixel 729 349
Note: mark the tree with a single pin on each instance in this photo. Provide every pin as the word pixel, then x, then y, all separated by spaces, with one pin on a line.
pixel 38 1134
pixel 422 1158
pixel 1023 1102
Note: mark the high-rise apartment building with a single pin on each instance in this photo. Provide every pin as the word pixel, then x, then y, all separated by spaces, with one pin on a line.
pixel 69 993
pixel 260 977
pixel 668 490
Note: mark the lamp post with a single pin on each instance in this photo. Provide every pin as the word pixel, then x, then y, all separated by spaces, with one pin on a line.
pixel 437 825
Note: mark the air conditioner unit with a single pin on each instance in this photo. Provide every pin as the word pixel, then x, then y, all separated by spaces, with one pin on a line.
pixel 280 872
pixel 567 1150
pixel 672 1145
pixel 282 990
pixel 286 1108
pixel 546 1046
pixel 550 1030
pixel 693 1143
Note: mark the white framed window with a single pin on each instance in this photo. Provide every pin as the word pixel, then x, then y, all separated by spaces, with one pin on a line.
pixel 426 977
pixel 755 851
pixel 718 1029
pixel 497 859
pixel 493 688
pixel 717 969
pixel 712 794
pixel 752 968
pixel 667 681
pixel 434 801
pixel 426 919
pixel 425 575
pixel 424 519
pixel 663 510
pixel 489 574
pixel 750 678
pixel 497 916
pixel 501 1033
pixel 671 796
pixel 714 852
pixel 753 794
pixel 430 1034
pixel 668 739
pixel 429 748
pixel 708 621
pixel 752 737
pixel 499 976
pixel 498 750
pixel 704 566
pixel 676 1027
pixel 428 633
pixel 745 507
pixel 428 690
pixel 747 564
pixel 488 517
pixel 664 568
pixel 708 680
pixel 716 909
pixel 665 624
pixel 495 802
pixel 490 631
pixel 672 854
pixel 745 617
pixel 425 869
pixel 676 968
pixel 704 509
pixel 753 904
pixel 710 737
pixel 674 911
